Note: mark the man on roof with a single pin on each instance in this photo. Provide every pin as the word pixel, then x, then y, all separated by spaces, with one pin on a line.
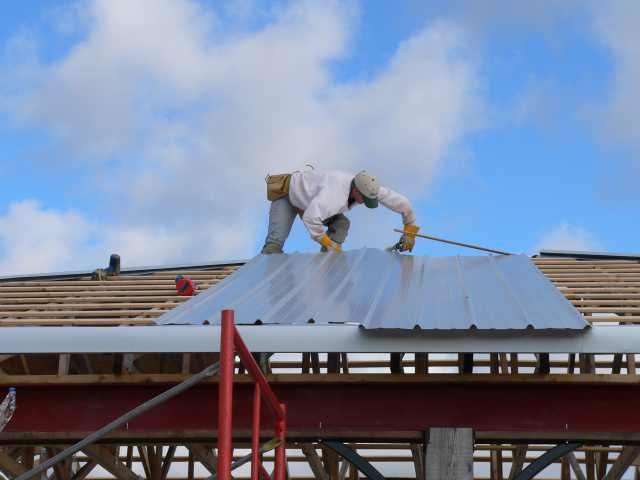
pixel 321 198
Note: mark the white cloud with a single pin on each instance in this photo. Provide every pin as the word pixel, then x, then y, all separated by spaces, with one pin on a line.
pixel 568 237
pixel 616 24
pixel 185 116
pixel 37 240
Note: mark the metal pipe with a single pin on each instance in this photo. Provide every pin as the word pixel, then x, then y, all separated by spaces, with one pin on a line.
pixel 94 437
pixel 225 396
pixel 460 244
pixel 279 472
pixel 255 434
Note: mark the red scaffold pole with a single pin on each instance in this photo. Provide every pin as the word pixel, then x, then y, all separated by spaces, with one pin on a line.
pixel 255 435
pixel 230 344
pixel 225 399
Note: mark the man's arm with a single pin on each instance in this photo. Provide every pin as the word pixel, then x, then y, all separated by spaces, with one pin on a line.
pixel 398 203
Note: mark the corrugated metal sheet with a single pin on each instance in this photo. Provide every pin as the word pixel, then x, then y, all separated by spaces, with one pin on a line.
pixel 378 289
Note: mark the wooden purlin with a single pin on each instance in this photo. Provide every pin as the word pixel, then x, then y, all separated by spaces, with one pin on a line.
pixel 122 300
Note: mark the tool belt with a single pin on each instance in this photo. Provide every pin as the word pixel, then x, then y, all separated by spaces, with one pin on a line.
pixel 278 186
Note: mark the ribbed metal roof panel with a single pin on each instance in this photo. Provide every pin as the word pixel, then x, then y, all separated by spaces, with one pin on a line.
pixel 378 289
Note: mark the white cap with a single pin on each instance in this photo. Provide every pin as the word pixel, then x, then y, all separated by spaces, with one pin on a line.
pixel 369 187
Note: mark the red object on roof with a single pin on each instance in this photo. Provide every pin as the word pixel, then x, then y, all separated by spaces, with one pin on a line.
pixel 185 286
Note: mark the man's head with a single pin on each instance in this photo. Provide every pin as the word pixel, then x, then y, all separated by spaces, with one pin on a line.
pixel 365 189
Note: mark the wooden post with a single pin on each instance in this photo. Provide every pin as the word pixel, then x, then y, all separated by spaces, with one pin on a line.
pixel 449 454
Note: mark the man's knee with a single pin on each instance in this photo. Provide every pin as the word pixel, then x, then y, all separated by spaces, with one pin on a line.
pixel 339 228
pixel 341 223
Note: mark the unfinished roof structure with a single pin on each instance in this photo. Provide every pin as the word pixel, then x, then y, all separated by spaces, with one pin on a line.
pixel 80 352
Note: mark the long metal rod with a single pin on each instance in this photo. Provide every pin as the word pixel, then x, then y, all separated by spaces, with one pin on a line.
pixel 148 405
pixel 444 240
pixel 355 458
pixel 547 459
pixel 225 396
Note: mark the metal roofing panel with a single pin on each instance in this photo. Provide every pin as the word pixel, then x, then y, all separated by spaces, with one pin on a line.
pixel 378 289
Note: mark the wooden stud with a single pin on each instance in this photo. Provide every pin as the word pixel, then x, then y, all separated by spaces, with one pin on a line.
pixel 166 462
pixel 496 465
pixel 577 471
pixel 590 465
pixel 395 362
pixel 64 359
pixel 417 454
pixel 465 362
pixel 543 367
pixel 494 366
pixel 623 462
pixel 631 364
pixel 190 467
pixel 85 470
pixel 315 463
pixel 109 462
pixel 421 363
pixel 514 363
pixel 10 466
pixel 333 362
pixel 449 454
pixel 344 359
pixel 517 461
pixel 205 456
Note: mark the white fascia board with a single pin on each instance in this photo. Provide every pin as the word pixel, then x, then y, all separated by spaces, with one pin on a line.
pixel 313 338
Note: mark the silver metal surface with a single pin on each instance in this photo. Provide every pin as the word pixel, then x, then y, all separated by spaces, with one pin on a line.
pixel 378 289
pixel 315 338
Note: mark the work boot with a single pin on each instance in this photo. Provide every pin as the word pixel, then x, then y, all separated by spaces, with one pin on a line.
pixel 270 248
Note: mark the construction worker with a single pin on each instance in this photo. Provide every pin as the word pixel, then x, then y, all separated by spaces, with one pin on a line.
pixel 321 198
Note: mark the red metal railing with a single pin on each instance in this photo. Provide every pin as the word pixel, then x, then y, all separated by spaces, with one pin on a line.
pixel 231 344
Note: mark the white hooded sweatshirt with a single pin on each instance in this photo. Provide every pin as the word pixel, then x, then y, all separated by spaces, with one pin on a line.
pixel 323 194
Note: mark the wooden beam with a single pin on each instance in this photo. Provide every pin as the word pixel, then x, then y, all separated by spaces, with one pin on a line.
pixel 109 462
pixel 61 469
pixel 601 463
pixel 205 456
pixel 166 463
pixel 575 466
pixel 315 463
pixel 85 470
pixel 449 454
pixel 624 461
pixel 421 363
pixel 465 362
pixel 395 363
pixel 333 363
pixel 64 360
pixel 496 465
pixel 9 466
pixel 417 453
pixel 331 459
pixel 517 462
pixel 143 454
pixel 543 367
pixel 590 465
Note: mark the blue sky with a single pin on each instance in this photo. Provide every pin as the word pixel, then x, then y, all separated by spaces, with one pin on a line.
pixel 146 128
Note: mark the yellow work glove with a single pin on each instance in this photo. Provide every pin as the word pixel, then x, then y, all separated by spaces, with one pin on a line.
pixel 325 241
pixel 408 239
